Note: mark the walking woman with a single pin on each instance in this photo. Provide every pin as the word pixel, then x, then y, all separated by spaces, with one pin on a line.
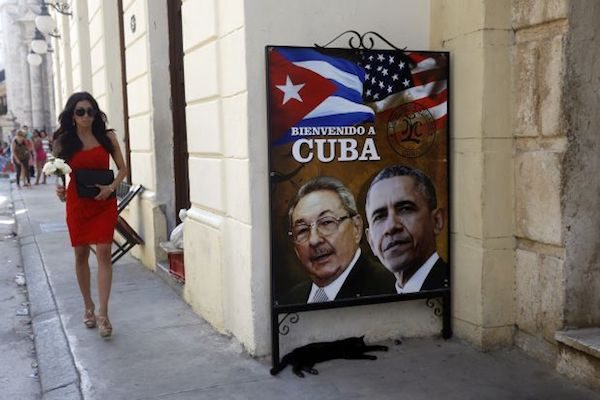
pixel 84 142
pixel 21 156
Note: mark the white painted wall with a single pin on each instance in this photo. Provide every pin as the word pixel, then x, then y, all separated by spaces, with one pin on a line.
pixel 150 126
pixel 137 65
pixel 303 23
pixel 228 282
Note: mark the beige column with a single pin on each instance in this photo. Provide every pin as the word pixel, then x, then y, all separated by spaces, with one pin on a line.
pixel 24 111
pixel 478 35
pixel 37 95
pixel 82 47
pixel 66 64
pixel 114 78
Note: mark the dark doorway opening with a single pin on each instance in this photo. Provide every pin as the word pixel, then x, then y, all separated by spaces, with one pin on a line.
pixel 180 153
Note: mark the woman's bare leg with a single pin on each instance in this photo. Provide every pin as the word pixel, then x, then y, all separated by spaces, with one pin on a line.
pixel 104 277
pixel 38 172
pixel 82 269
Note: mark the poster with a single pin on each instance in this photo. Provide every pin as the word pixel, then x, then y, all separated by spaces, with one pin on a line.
pixel 358 164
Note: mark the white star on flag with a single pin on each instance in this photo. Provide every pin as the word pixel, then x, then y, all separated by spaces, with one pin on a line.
pixel 290 91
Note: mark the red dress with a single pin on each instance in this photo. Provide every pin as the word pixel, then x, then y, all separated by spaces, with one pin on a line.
pixel 90 221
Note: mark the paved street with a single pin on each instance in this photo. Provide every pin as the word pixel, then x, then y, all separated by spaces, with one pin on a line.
pixel 162 350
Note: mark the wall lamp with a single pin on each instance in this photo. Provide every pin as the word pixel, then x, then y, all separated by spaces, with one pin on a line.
pixel 34 59
pixel 39 44
pixel 45 23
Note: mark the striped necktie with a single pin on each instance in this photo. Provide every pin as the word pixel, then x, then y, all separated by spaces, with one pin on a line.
pixel 320 296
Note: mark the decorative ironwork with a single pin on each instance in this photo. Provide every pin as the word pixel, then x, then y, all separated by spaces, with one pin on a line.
pixel 365 41
pixel 436 305
pixel 60 7
pixel 284 329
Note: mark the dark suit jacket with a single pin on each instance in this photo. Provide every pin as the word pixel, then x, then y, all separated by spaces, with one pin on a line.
pixel 438 276
pixel 365 279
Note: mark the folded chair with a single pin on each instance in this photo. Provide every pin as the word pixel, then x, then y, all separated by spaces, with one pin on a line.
pixel 125 193
pixel 129 237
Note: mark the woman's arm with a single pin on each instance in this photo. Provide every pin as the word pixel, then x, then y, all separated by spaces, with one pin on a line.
pixel 117 156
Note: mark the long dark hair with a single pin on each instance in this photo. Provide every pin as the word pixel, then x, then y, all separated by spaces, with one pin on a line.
pixel 66 134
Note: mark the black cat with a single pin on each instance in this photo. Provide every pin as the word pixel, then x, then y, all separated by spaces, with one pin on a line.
pixel 305 357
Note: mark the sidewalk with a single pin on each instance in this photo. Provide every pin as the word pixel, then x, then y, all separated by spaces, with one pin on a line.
pixel 162 350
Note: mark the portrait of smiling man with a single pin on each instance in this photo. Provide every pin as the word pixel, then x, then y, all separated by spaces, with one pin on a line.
pixel 326 229
pixel 404 220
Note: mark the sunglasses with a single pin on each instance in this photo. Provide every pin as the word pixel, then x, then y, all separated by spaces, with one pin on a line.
pixel 80 112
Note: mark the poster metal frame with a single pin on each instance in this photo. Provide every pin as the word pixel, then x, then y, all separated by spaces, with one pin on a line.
pixel 439 300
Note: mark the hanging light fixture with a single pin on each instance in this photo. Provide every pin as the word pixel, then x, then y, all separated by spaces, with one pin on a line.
pixel 34 59
pixel 44 22
pixel 39 44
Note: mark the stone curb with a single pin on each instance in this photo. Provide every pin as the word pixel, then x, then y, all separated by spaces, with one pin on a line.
pixel 58 374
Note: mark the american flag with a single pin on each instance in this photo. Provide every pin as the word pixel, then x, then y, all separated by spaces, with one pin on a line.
pixel 394 78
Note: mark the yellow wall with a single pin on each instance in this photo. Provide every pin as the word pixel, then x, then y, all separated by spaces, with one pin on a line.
pixel 479 37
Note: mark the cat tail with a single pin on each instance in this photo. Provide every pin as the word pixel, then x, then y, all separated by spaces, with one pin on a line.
pixel 282 364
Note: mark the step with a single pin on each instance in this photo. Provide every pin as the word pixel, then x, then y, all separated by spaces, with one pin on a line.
pixel 162 270
pixel 579 355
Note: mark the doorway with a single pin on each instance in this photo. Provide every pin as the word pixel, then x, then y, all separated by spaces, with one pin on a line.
pixel 180 153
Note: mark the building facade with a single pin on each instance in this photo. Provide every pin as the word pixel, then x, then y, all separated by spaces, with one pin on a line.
pixel 29 88
pixel 184 85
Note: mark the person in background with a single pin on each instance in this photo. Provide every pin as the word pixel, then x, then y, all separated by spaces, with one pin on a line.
pixel 28 133
pixel 45 142
pixel 40 157
pixel 21 156
pixel 29 142
pixel 4 156
pixel 84 142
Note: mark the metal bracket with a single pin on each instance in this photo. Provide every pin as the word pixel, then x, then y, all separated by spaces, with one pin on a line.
pixel 437 306
pixel 284 329
pixel 60 7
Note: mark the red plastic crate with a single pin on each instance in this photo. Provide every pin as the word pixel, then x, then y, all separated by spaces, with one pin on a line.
pixel 176 265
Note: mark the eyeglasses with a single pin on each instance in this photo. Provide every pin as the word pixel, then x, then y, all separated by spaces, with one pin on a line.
pixel 327 225
pixel 80 112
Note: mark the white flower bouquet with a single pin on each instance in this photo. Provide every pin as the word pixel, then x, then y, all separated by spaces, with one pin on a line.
pixel 57 166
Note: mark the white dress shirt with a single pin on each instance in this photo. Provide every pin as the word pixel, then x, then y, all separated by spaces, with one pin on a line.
pixel 334 287
pixel 415 282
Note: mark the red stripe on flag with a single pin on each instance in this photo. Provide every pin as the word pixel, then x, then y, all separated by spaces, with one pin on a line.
pixel 431 75
pixel 433 99
pixel 420 57
pixel 441 122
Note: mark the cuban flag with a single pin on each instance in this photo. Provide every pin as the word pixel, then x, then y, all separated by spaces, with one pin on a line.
pixel 308 88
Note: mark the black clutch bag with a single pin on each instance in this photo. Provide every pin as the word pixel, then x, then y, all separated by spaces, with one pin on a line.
pixel 87 179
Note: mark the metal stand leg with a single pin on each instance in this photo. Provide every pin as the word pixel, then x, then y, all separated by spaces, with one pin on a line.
pixel 447 316
pixel 280 327
pixel 274 339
